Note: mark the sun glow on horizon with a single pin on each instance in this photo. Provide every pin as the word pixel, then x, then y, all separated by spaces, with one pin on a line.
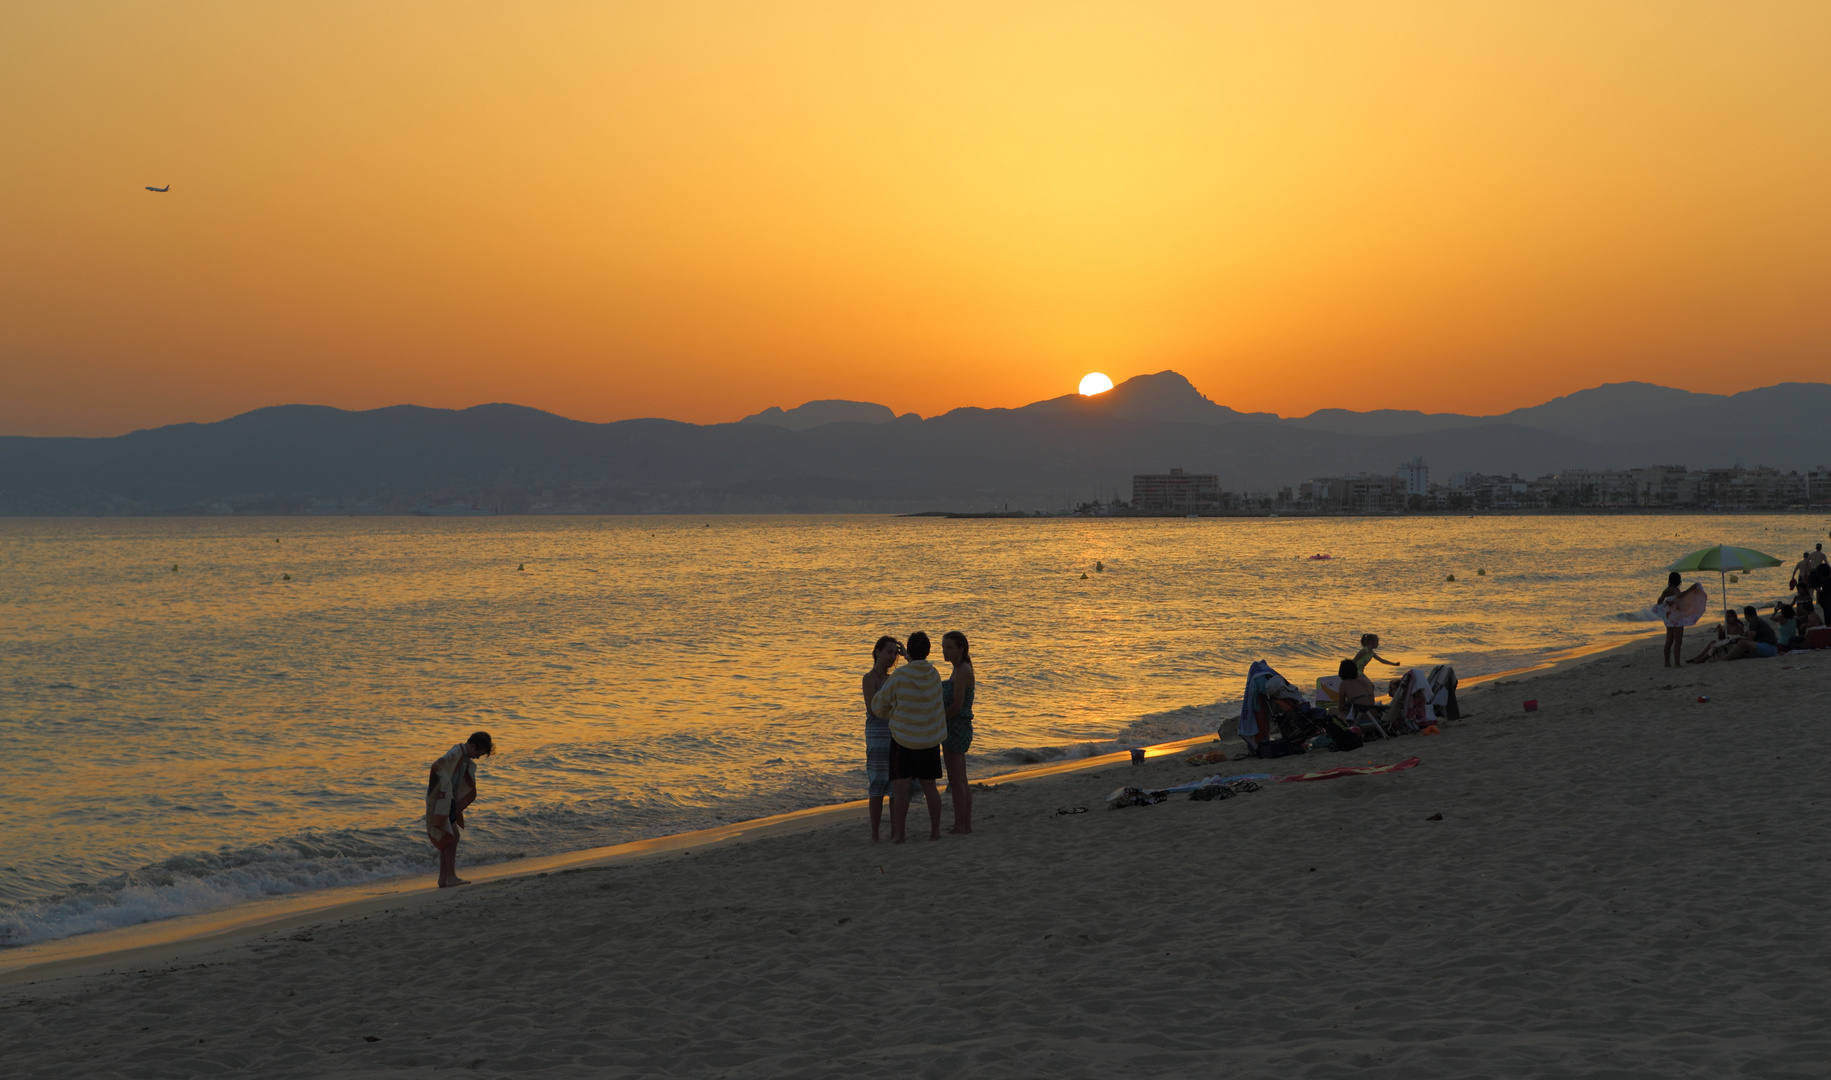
pixel 1095 383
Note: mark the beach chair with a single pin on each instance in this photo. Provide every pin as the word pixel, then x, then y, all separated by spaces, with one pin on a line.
pixel 1328 690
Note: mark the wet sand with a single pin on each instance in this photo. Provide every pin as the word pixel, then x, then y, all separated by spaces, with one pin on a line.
pixel 1624 883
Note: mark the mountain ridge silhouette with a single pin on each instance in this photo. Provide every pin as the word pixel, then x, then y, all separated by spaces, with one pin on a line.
pixel 1044 455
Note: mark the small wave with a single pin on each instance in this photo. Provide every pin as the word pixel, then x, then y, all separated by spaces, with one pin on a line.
pixel 195 883
pixel 1637 615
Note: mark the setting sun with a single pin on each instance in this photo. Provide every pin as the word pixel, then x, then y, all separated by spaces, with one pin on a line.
pixel 1095 383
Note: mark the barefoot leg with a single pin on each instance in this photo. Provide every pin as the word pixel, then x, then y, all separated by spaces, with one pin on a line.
pixel 959 791
pixel 899 808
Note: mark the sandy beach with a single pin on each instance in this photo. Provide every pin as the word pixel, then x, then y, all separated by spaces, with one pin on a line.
pixel 1625 883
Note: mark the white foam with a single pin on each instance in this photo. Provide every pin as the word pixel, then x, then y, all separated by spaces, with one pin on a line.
pixel 107 909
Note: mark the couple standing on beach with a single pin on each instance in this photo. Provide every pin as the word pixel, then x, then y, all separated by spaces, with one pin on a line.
pixel 913 721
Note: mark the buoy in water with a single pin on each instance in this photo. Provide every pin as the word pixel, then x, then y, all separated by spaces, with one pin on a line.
pixel 521 566
pixel 1083 576
pixel 1733 578
pixel 285 577
pixel 174 568
pixel 1452 577
pixel 1099 567
pixel 1481 573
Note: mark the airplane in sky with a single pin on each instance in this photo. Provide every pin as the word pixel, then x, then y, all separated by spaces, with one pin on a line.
pixel 167 187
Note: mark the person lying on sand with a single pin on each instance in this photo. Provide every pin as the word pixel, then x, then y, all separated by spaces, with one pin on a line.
pixel 451 786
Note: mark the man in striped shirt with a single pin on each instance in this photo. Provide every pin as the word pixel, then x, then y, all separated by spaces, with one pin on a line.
pixel 910 701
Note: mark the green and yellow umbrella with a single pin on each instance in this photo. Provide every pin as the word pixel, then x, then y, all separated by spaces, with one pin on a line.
pixel 1725 560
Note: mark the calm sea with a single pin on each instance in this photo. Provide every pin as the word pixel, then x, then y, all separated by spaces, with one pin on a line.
pixel 198 712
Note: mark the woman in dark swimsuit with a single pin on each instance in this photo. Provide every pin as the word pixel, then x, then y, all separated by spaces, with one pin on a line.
pixel 957 701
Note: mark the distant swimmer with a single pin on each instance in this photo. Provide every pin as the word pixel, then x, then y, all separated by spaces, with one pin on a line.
pixel 167 187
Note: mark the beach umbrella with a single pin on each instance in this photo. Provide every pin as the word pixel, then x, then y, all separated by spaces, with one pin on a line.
pixel 1725 560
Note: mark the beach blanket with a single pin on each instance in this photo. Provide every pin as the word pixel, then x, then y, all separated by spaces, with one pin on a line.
pixel 1352 770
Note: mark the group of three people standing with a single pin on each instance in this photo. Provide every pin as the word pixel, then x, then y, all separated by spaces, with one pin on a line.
pixel 914 722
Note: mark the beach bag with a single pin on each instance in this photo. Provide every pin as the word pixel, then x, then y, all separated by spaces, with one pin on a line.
pixel 1277 748
pixel 1341 735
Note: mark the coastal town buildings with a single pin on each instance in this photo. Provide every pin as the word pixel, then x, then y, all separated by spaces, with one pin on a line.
pixel 1649 487
pixel 1177 492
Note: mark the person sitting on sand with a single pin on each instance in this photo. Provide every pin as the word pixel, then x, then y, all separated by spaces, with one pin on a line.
pixel 1786 625
pixel 1758 638
pixel 1807 618
pixel 911 703
pixel 1729 632
pixel 957 703
pixel 1356 690
pixel 450 787
pixel 877 731
pixel 1370 644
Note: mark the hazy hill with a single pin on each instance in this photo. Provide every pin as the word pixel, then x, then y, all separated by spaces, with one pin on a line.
pixel 1630 412
pixel 815 413
pixel 305 458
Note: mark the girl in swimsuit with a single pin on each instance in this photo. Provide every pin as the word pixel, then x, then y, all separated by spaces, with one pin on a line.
pixel 877 731
pixel 957 701
pixel 1370 644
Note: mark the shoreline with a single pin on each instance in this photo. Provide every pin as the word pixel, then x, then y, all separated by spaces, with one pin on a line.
pixel 162 940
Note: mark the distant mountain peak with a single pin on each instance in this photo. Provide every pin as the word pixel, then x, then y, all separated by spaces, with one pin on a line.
pixel 1164 396
pixel 815 413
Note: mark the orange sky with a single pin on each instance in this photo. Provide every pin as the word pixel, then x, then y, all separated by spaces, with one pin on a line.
pixel 698 208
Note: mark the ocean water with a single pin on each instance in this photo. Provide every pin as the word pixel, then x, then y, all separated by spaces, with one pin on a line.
pixel 198 712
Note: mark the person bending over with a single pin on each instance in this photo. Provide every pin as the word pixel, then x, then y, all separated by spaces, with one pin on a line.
pixel 450 787
pixel 911 703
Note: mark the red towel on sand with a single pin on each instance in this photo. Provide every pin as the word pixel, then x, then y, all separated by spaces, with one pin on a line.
pixel 1352 770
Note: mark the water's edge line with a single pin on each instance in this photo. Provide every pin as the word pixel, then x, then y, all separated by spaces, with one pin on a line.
pixel 153 942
